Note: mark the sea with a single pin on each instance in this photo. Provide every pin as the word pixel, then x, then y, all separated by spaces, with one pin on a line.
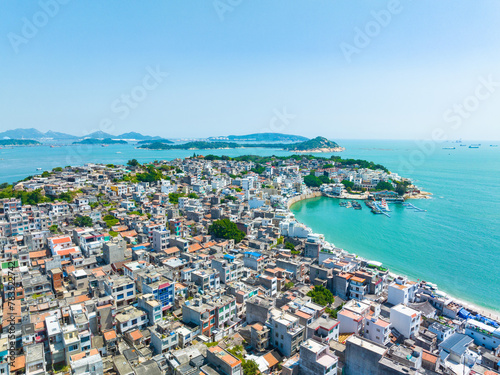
pixel 455 243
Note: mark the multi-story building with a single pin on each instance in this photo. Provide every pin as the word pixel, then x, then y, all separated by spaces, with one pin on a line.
pixel 286 332
pixel 122 288
pixel 405 320
pixel 206 280
pixel 130 319
pixel 223 362
pixel 229 269
pixel 316 359
pixel 200 314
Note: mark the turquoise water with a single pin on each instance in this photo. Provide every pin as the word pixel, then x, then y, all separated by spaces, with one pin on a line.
pixel 455 244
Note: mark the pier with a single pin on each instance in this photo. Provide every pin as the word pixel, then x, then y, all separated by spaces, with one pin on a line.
pixel 413 207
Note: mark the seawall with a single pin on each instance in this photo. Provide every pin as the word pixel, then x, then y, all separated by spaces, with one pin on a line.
pixel 301 197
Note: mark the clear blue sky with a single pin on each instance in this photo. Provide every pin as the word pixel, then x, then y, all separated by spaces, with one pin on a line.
pixel 232 68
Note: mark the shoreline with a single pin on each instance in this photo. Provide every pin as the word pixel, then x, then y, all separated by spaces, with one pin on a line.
pixel 468 305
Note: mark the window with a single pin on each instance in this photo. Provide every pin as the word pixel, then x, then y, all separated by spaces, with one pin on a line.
pixel 73 348
pixel 134 321
pixel 131 293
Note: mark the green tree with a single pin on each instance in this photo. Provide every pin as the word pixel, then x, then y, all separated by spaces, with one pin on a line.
pixel 53 228
pixel 348 184
pixel 321 296
pixel 384 185
pixel 312 181
pixel 289 246
pixel 133 163
pixel 289 285
pixel 83 221
pixel 225 228
pixel 250 367
pixel 193 195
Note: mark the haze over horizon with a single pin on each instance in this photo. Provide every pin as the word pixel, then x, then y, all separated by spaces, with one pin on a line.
pixel 390 70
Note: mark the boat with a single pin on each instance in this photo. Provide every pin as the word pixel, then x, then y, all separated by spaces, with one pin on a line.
pixel 39 169
pixel 474 146
pixel 463 145
pixel 356 205
pixel 342 203
pixel 383 205
pixel 493 145
pixel 118 152
pixel 448 148
pixel 104 145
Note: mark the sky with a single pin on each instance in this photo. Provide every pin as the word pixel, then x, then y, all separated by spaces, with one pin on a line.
pixel 341 69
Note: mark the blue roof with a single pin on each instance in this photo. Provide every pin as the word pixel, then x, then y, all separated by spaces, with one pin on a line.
pixel 227 256
pixel 139 247
pixel 252 253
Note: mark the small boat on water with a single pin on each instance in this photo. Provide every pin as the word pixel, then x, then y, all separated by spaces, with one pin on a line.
pixel 493 145
pixel 474 146
pixel 39 169
pixel 356 205
pixel 448 148
pixel 463 145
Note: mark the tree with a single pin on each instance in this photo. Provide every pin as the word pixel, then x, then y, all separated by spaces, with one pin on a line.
pixel 289 246
pixel 53 228
pixel 83 221
pixel 225 228
pixel 133 163
pixel 312 181
pixel 289 285
pixel 321 296
pixel 348 184
pixel 384 185
pixel 193 195
pixel 250 367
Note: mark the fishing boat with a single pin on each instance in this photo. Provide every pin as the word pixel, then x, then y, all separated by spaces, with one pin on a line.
pixel 463 145
pixel 343 204
pixel 474 146
pixel 448 148
pixel 356 205
pixel 39 169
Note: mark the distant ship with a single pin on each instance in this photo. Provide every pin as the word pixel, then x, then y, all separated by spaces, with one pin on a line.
pixel 493 145
pixel 463 145
pixel 474 146
pixel 448 148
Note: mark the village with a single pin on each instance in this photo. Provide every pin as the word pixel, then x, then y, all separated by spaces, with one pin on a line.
pixel 197 266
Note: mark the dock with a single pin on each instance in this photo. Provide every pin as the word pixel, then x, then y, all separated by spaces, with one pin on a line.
pixel 413 207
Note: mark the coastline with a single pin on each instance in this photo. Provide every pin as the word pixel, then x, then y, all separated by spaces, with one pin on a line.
pixel 468 305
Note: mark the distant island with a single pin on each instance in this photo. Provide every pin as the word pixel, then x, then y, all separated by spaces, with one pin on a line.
pixel 105 141
pixel 18 142
pixel 161 140
pixel 34 134
pixel 261 137
pixel 318 144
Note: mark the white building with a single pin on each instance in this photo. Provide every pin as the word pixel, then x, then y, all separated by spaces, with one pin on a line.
pixel 377 330
pixel 401 291
pixel 405 320
pixel 160 240
pixel 294 229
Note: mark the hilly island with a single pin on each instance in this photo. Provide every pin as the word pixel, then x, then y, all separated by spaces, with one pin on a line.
pixel 318 144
